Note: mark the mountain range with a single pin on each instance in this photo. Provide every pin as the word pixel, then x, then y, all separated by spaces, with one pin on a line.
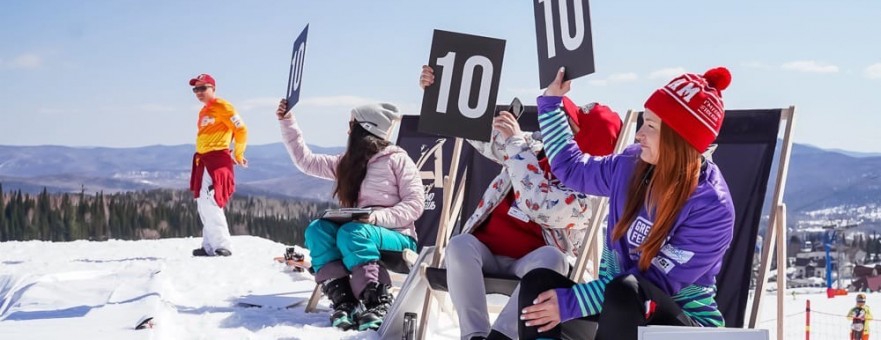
pixel 71 169
pixel 821 182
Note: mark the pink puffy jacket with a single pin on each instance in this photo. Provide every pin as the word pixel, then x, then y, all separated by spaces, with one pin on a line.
pixel 392 179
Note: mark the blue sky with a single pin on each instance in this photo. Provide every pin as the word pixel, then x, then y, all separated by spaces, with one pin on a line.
pixel 114 73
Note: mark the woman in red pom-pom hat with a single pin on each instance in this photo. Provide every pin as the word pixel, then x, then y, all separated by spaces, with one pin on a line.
pixel 671 217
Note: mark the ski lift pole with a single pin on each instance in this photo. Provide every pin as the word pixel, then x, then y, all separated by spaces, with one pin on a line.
pixel 808 319
pixel 828 238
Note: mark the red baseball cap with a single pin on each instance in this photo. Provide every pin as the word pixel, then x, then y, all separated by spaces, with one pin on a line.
pixel 204 77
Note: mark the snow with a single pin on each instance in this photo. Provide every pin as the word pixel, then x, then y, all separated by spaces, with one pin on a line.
pixel 100 290
pixel 843 215
pixel 828 316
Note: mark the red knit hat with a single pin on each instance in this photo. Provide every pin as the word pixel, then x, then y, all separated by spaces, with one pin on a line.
pixel 598 128
pixel 692 105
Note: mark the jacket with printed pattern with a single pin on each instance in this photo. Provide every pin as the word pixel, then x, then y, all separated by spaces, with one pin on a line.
pixel 563 213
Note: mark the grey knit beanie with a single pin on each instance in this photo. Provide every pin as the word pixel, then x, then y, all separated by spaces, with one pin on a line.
pixel 378 119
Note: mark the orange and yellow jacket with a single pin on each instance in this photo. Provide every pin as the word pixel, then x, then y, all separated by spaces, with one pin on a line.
pixel 218 125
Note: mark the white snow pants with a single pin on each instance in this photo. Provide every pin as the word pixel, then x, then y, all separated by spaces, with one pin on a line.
pixel 215 230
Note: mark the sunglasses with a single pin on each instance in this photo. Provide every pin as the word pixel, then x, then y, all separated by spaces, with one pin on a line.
pixel 198 89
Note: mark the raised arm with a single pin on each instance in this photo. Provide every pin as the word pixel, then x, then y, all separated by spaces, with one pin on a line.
pixel 590 175
pixel 579 171
pixel 318 165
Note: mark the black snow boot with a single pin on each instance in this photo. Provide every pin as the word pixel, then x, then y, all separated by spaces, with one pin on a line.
pixel 344 303
pixel 377 302
pixel 218 252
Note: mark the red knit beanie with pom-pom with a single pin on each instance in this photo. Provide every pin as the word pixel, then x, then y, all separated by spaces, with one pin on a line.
pixel 692 105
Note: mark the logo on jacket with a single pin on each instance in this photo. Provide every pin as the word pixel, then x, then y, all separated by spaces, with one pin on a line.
pixel 207 120
pixel 680 256
pixel 638 231
pixel 237 121
pixel 663 264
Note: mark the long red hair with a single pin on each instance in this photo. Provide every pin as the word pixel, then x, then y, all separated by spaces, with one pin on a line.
pixel 662 189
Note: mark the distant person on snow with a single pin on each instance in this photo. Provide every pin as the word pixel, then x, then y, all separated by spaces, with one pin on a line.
pixel 212 180
pixel 371 173
pixel 860 317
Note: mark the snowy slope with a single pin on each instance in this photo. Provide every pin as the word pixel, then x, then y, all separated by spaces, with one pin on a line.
pixel 100 290
pixel 827 318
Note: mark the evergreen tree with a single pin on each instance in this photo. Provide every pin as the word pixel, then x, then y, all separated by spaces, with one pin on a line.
pixel 4 231
pixel 42 216
pixel 66 217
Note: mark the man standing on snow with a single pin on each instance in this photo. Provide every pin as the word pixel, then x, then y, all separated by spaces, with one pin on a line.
pixel 212 180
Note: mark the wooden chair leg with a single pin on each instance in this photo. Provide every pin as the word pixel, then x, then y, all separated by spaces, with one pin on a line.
pixel 446 306
pixel 313 300
pixel 426 312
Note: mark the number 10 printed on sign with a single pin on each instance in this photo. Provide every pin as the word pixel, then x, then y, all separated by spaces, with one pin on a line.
pixel 295 76
pixel 462 102
pixel 562 31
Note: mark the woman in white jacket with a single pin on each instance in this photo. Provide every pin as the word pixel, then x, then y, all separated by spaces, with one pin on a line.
pixel 526 219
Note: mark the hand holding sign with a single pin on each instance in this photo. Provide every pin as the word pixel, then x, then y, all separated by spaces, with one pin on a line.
pixel 558 87
pixel 469 68
pixel 564 39
pixel 427 77
pixel 295 76
pixel 282 111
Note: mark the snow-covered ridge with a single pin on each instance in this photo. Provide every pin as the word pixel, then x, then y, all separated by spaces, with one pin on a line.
pixel 870 211
pixel 100 290
pixel 841 215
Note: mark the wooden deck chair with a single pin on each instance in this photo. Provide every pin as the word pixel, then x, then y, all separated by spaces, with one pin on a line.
pixel 750 145
pixel 432 155
pixel 481 172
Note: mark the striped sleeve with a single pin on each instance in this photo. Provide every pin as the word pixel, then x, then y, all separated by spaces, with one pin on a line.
pixel 575 169
pixel 699 304
pixel 555 130
pixel 586 299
